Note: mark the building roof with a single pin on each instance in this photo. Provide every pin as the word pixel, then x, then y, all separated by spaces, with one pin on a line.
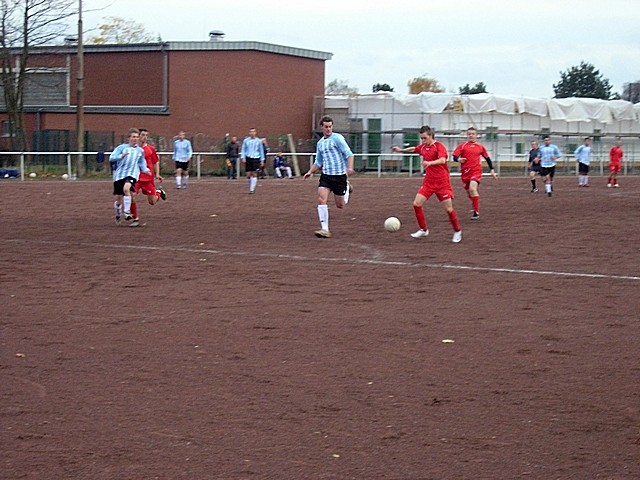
pixel 188 46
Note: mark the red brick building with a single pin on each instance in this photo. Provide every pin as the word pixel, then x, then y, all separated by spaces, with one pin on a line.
pixel 206 88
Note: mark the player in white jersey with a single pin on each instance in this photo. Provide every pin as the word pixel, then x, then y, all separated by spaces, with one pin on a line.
pixel 334 159
pixel 548 154
pixel 127 160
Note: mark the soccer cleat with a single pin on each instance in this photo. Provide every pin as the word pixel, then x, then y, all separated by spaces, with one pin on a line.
pixel 457 236
pixel 608 185
pixel 118 220
pixel 251 192
pixel 163 194
pixel 322 233
pixel 616 185
pixel 420 233
pixel 534 190
pixel 135 223
pixel 549 193
pixel 127 216
pixel 475 216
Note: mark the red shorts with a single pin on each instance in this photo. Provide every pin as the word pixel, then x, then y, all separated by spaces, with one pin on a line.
pixel 470 174
pixel 148 187
pixel 443 191
pixel 614 167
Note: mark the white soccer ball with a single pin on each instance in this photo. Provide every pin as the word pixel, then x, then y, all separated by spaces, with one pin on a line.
pixel 33 174
pixel 65 176
pixel 392 224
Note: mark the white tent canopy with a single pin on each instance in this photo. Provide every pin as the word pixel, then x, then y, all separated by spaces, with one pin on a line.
pixel 572 109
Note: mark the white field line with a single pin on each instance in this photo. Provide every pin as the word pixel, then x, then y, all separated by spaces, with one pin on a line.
pixel 352 261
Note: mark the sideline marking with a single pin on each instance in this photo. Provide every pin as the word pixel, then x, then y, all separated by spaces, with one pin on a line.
pixel 301 258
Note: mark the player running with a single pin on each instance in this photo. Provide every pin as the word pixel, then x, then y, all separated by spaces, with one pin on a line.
pixel 127 160
pixel 469 154
pixel 145 183
pixel 334 159
pixel 436 181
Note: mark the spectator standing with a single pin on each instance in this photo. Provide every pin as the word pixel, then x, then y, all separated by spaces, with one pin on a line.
pixel 263 172
pixel 233 153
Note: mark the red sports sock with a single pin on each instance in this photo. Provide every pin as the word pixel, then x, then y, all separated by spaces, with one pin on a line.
pixel 475 201
pixel 453 218
pixel 134 210
pixel 422 222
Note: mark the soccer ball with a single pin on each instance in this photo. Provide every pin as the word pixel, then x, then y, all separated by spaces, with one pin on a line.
pixel 33 174
pixel 392 224
pixel 65 176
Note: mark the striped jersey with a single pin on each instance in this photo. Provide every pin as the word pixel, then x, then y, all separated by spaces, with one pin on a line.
pixel 252 148
pixel 546 152
pixel 583 154
pixel 129 161
pixel 182 150
pixel 332 153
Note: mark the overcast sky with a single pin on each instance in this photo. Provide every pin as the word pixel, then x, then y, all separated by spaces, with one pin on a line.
pixel 516 47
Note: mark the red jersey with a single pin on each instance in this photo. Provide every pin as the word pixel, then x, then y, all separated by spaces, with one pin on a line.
pixel 472 152
pixel 151 157
pixel 435 174
pixel 615 155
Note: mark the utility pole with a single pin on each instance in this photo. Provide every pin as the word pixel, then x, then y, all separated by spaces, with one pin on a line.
pixel 80 95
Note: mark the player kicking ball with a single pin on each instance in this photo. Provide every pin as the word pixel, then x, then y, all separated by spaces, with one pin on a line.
pixel 436 181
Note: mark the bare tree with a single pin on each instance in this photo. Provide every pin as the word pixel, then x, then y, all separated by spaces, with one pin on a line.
pixel 25 24
pixel 339 87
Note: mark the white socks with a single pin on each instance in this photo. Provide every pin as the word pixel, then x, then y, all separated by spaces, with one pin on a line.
pixel 118 208
pixel 127 204
pixel 178 181
pixel 323 216
pixel 253 181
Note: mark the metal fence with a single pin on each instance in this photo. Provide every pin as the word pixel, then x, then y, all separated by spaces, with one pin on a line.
pixel 64 165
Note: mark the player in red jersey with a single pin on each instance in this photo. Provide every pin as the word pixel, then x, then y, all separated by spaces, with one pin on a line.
pixel 145 183
pixel 615 160
pixel 469 154
pixel 436 181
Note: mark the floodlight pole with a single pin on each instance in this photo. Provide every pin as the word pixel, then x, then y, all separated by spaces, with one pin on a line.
pixel 80 95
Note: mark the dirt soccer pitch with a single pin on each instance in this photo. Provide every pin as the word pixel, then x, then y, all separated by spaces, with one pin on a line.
pixel 222 340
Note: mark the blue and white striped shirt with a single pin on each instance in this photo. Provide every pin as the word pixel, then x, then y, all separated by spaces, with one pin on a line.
pixel 332 153
pixel 546 152
pixel 252 148
pixel 182 150
pixel 583 154
pixel 129 161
